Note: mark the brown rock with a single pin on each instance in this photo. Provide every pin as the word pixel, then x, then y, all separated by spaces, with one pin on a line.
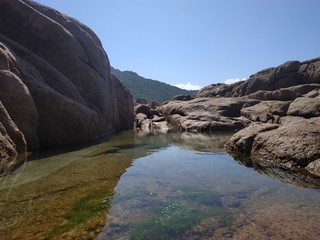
pixel 12 141
pixel 240 144
pixel 284 94
pixel 292 145
pixel 311 69
pixel 19 103
pixel 266 111
pixel 215 90
pixel 313 94
pixel 305 107
pixel 288 74
pixel 139 118
pixel 182 97
pixel 314 167
pixel 156 118
pixel 142 108
pixel 154 112
pixel 8 153
pixel 206 114
pixel 10 131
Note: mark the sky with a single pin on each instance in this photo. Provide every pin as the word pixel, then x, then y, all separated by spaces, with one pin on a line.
pixel 194 43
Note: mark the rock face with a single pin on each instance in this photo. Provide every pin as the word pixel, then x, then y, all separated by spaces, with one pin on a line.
pixel 278 110
pixel 289 74
pixel 56 87
pixel 206 114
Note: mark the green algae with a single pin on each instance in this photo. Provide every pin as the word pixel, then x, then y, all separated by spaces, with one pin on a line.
pixel 83 211
pixel 200 196
pixel 171 219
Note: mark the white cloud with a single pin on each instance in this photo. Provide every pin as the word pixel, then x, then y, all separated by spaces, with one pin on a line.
pixel 188 86
pixel 234 80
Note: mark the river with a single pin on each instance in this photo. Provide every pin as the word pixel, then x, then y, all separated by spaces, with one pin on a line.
pixel 154 186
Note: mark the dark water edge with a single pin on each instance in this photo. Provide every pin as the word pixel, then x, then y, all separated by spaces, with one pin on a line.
pixel 184 182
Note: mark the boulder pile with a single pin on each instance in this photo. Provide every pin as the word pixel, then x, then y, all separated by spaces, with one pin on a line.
pixel 275 115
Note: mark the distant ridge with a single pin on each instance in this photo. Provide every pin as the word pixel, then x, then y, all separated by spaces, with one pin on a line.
pixel 151 90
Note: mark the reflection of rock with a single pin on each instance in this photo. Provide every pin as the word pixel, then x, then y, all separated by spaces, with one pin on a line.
pixel 202 142
pixel 56 83
pixel 299 178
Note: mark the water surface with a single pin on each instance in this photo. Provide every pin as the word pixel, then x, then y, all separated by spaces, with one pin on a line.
pixel 142 186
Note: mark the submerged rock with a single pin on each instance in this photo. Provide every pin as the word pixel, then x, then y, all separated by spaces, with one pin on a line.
pixel 55 79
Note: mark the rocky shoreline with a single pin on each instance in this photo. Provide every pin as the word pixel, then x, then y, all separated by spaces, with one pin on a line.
pixel 57 89
pixel 275 115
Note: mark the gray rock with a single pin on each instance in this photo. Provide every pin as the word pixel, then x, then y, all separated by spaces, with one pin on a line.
pixel 55 78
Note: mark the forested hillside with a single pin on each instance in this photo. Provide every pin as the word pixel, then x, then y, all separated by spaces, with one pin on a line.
pixel 149 89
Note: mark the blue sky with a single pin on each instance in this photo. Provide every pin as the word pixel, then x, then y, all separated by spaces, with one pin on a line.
pixel 199 42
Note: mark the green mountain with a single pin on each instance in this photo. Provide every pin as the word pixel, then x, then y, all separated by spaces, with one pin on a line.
pixel 151 90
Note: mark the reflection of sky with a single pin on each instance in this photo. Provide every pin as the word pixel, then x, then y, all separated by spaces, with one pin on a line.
pixel 163 172
pixel 177 167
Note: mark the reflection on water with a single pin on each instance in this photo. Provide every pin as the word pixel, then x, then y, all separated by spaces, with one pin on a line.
pixel 166 186
pixel 183 194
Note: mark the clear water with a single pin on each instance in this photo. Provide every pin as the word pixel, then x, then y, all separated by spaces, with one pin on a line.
pixel 169 187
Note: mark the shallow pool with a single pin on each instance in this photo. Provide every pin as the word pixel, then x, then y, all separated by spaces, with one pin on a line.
pixel 153 186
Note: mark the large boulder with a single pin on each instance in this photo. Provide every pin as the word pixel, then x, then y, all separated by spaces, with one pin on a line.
pixel 293 145
pixel 55 78
pixel 240 144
